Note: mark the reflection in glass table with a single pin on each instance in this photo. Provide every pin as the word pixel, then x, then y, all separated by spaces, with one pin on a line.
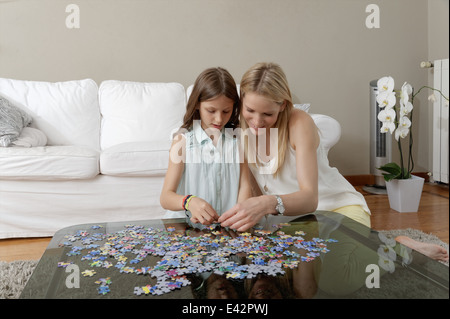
pixel 320 255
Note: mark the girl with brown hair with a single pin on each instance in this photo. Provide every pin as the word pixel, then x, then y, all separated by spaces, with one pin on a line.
pixel 205 176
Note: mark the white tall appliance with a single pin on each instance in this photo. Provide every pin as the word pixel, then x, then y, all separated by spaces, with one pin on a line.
pixel 380 144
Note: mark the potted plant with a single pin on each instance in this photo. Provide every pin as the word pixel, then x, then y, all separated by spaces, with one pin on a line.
pixel 404 189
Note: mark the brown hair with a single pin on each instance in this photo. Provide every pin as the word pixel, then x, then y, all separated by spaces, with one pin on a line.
pixel 269 80
pixel 212 83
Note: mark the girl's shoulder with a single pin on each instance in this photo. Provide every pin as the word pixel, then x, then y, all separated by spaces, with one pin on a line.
pixel 181 135
pixel 178 141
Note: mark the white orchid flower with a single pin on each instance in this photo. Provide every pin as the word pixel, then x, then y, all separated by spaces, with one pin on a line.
pixel 404 122
pixel 386 251
pixel 403 127
pixel 387 241
pixel 387 256
pixel 406 109
pixel 386 264
pixel 387 127
pixel 382 237
pixel 432 97
pixel 401 132
pixel 387 117
pixel 386 99
pixel 385 84
pixel 405 93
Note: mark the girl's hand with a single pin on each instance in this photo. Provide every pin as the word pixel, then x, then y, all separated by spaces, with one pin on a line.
pixel 202 212
pixel 244 215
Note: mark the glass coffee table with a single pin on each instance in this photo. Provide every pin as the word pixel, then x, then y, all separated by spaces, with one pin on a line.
pixel 321 255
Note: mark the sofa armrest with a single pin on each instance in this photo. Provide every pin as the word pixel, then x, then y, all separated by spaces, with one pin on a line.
pixel 329 130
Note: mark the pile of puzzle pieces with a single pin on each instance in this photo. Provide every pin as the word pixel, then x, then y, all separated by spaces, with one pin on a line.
pixel 270 253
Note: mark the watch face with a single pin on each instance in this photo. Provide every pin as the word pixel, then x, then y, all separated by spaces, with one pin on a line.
pixel 280 206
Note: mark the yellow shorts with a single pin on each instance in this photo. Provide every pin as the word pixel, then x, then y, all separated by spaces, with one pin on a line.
pixel 356 213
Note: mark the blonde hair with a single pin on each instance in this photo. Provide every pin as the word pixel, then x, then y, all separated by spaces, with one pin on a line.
pixel 269 80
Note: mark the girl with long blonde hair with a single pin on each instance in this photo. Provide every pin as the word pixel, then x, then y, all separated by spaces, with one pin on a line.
pixel 300 179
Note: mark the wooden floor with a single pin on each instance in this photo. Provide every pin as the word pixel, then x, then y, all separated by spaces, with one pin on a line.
pixel 432 217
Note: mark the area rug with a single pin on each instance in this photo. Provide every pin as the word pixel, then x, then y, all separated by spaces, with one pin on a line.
pixel 14 275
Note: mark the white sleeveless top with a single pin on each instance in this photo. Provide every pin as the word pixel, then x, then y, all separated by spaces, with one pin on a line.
pixel 210 172
pixel 334 190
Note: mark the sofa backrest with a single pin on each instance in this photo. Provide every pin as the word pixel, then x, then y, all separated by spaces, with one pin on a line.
pixel 80 113
pixel 138 111
pixel 67 112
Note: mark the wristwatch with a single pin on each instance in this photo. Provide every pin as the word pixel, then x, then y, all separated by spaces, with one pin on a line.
pixel 280 207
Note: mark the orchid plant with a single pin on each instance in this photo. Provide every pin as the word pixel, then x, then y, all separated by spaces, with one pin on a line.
pixel 399 125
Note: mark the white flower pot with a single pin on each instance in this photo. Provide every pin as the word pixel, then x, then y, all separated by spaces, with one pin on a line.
pixel 404 194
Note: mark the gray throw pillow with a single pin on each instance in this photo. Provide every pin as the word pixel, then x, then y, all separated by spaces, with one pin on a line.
pixel 12 121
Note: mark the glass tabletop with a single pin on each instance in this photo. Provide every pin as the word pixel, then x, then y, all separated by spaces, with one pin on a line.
pixel 320 255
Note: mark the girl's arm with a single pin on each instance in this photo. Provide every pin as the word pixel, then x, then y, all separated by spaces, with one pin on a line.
pixel 304 138
pixel 201 210
pixel 169 198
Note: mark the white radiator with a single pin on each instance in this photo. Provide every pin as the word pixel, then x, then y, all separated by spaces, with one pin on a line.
pixel 440 123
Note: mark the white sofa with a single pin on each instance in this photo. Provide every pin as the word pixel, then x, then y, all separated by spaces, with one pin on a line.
pixel 105 156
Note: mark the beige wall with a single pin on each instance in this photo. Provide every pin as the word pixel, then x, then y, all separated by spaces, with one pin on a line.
pixel 324 46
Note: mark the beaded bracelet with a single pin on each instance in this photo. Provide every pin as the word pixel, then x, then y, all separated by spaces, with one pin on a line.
pixel 187 202
pixel 183 204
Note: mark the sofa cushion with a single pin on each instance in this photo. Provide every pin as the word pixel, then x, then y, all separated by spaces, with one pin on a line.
pixel 48 163
pixel 31 137
pixel 137 111
pixel 67 112
pixel 136 159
